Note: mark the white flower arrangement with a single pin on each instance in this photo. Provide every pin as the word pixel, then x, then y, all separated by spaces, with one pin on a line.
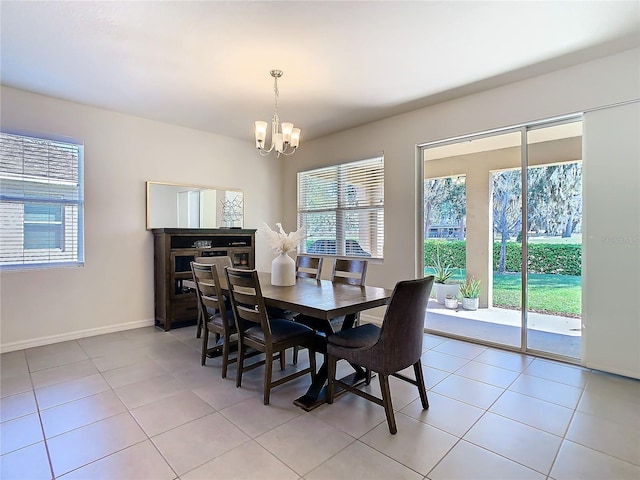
pixel 282 242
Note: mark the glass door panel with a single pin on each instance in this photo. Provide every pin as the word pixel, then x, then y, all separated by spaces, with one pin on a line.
pixel 459 234
pixel 507 252
pixel 554 240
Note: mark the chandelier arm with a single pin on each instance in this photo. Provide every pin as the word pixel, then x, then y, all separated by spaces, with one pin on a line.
pixel 291 152
pixel 264 151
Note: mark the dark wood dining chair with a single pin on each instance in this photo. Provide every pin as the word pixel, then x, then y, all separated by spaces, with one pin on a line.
pixel 308 267
pixel 256 330
pixel 344 270
pixel 220 263
pixel 217 316
pixel 349 270
pixel 388 349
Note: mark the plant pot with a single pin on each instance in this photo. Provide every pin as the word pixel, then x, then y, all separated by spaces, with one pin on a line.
pixel 470 303
pixel 451 303
pixel 444 289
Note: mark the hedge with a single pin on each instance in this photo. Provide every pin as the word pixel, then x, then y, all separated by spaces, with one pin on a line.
pixel 549 258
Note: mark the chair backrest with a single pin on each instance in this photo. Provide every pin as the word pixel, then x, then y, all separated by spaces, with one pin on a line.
pixel 208 289
pixel 308 267
pixel 403 324
pixel 219 262
pixel 247 301
pixel 351 271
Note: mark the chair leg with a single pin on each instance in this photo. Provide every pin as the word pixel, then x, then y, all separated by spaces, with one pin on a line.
pixel 241 348
pixel 205 345
pixel 331 377
pixel 417 368
pixel 268 368
pixel 283 357
pixel 295 355
pixel 200 322
pixel 367 380
pixel 225 357
pixel 386 400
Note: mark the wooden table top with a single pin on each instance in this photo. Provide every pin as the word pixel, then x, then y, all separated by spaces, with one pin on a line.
pixel 318 298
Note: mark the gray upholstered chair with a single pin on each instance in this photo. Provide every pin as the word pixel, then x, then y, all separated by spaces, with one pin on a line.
pixel 388 349
pixel 268 335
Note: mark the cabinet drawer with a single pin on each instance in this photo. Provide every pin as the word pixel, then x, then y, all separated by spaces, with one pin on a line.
pixel 184 310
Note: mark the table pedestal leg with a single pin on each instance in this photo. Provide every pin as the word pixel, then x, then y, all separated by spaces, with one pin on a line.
pixel 316 394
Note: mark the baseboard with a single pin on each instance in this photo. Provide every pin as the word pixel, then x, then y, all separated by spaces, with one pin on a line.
pixel 39 342
pixel 615 370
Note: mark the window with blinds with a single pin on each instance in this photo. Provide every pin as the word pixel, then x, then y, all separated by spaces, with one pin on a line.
pixel 41 202
pixel 341 209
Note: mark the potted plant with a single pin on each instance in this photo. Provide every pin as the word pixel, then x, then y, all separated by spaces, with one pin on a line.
pixel 451 301
pixel 470 291
pixel 442 273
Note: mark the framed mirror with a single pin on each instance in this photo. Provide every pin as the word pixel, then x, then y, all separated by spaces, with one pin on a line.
pixel 171 205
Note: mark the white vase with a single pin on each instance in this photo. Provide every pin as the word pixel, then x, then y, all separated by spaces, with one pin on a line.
pixel 283 271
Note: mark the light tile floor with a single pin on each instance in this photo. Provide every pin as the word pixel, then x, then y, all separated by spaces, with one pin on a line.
pixel 138 405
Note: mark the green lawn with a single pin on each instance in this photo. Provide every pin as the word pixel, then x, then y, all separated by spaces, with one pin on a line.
pixel 560 294
pixel 556 294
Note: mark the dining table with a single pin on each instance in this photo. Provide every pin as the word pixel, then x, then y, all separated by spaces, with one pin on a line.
pixel 322 300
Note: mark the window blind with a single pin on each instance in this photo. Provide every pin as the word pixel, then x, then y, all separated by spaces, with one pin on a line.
pixel 41 202
pixel 341 209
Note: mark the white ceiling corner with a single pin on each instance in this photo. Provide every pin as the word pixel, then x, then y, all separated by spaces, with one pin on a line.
pixel 205 64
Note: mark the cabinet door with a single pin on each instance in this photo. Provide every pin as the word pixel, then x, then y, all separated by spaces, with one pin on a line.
pixel 242 257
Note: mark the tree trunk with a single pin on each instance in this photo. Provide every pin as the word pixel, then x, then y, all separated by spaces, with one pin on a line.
pixel 568 228
pixel 461 232
pixel 503 253
pixel 427 219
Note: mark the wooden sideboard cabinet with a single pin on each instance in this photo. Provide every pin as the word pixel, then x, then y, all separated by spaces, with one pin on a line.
pixel 175 249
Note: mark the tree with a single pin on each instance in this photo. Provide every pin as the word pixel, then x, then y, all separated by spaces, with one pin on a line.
pixel 444 203
pixel 507 195
pixel 555 198
pixel 565 183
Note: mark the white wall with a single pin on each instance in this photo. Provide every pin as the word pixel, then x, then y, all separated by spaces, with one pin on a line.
pixel 114 290
pixel 611 243
pixel 586 86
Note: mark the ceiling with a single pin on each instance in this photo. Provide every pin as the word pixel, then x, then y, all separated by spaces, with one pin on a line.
pixel 205 64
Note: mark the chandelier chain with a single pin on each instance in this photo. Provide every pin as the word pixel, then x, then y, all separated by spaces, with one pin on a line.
pixel 277 94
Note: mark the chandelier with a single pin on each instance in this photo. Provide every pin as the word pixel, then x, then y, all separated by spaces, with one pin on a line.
pixel 284 138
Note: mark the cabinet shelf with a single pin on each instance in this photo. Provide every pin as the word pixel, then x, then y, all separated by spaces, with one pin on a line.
pixel 175 249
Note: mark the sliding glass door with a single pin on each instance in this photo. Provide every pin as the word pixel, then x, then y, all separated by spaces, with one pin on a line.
pixel 519 235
